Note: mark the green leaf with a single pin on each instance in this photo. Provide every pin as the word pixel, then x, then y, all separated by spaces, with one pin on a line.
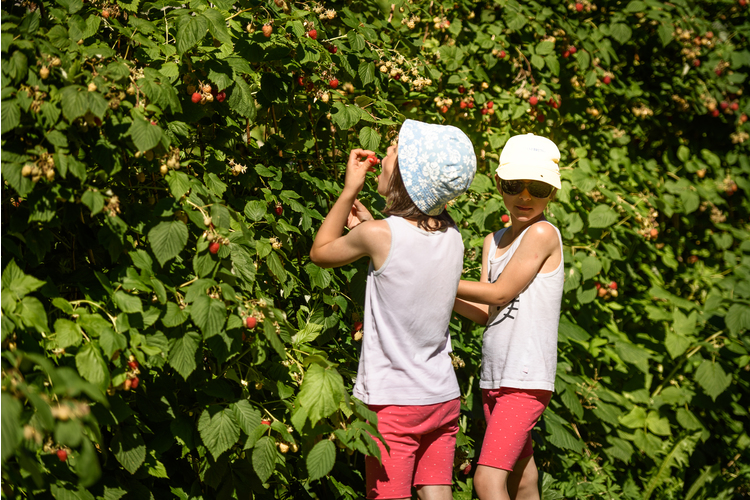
pixel 367 73
pixel 256 210
pixel 321 459
pixel 264 458
pixel 242 100
pixel 590 267
pixel 321 393
pixel 246 416
pixel 319 277
pixel 602 216
pixel 18 283
pixel 276 267
pixel 738 318
pixel 191 32
pixel 218 25
pixel 10 115
pixel 356 41
pixel 145 135
pixel 91 366
pixel 182 353
pixel 128 303
pixel 167 240
pixel 369 138
pixel 174 315
pixel 309 333
pixel 129 448
pixel 179 183
pixel 621 32
pixel 218 430
pixel 678 455
pixel 68 333
pixel 33 314
pixel 209 315
pixel 273 338
pixel 711 376
pixel 75 102
pixel 636 419
pixel 658 425
pixel 11 425
pixel 665 33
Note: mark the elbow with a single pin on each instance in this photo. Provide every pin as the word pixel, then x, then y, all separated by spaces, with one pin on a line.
pixel 316 257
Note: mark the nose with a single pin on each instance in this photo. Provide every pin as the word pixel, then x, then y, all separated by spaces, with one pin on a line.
pixel 525 193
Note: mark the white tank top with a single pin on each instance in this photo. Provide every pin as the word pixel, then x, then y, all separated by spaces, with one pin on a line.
pixel 519 346
pixel 406 345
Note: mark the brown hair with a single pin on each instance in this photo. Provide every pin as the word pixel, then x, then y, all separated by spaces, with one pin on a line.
pixel 400 204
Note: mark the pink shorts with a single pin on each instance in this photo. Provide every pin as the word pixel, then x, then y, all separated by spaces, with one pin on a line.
pixel 422 440
pixel 511 414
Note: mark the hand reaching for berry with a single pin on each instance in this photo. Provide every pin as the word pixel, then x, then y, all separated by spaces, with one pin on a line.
pixel 357 215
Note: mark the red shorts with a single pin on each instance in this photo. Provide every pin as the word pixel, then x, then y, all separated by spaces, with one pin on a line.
pixel 511 414
pixel 423 443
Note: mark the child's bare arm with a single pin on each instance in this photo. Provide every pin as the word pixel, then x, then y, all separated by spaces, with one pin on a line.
pixel 474 311
pixel 331 248
pixel 538 244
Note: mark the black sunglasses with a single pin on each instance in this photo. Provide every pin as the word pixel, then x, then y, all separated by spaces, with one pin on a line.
pixel 537 189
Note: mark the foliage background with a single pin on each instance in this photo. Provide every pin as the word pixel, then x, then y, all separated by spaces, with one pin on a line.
pixel 125 340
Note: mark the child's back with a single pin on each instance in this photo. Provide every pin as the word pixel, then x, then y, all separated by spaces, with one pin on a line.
pixel 407 310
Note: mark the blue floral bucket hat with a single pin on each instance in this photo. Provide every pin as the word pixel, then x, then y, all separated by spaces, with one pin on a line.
pixel 437 163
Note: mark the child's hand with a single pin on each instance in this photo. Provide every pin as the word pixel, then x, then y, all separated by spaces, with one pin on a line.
pixel 357 215
pixel 357 168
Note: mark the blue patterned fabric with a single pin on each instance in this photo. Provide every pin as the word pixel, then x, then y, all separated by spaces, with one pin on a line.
pixel 437 163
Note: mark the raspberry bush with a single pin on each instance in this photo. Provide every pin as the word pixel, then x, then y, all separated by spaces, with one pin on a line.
pixel 165 167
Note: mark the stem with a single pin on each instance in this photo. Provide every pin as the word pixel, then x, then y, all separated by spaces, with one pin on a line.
pixel 84 301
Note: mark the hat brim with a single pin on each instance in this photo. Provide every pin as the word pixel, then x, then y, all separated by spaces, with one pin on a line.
pixel 514 172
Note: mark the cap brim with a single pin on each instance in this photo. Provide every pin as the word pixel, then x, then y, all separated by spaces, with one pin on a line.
pixel 528 172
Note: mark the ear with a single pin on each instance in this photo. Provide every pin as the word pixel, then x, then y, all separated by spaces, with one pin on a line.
pixel 498 184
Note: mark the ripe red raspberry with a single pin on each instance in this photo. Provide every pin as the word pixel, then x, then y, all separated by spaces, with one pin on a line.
pixel 250 322
pixel 573 50
pixel 533 100
pixel 221 96
pixel 696 62
pixel 505 218
pixel 134 383
pixel 734 106
pixel 471 104
pixel 313 33
pixel 579 7
pixel 715 113
pixel 724 105
pixel 613 285
pixel 461 89
pixel 373 159
pixel 502 54
pixel 333 83
pixel 333 49
pixel 444 109
pixel 267 30
pixel 463 104
pixel 196 98
pixel 278 209
pixel 540 117
pixel 607 80
pixel 133 365
pixel 214 247
pixel 566 54
pixel 62 455
pixel 490 105
pixel 265 422
pixel 485 111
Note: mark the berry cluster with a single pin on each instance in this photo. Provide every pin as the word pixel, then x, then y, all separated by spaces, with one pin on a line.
pixel 205 93
pixel 649 225
pixel 691 45
pixel 607 291
pixel 170 161
pixel 404 71
pixel 582 5
pixel 457 362
pixel 43 167
pixel 443 104
pixel 237 168
pixel 642 111
pixel 324 13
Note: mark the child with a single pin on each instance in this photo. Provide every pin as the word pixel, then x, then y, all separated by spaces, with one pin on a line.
pixel 416 258
pixel 522 281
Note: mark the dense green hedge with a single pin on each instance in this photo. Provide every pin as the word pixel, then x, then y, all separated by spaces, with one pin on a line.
pixel 165 167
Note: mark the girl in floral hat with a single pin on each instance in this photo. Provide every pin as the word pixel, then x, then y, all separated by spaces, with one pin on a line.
pixel 405 373
pixel 522 282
